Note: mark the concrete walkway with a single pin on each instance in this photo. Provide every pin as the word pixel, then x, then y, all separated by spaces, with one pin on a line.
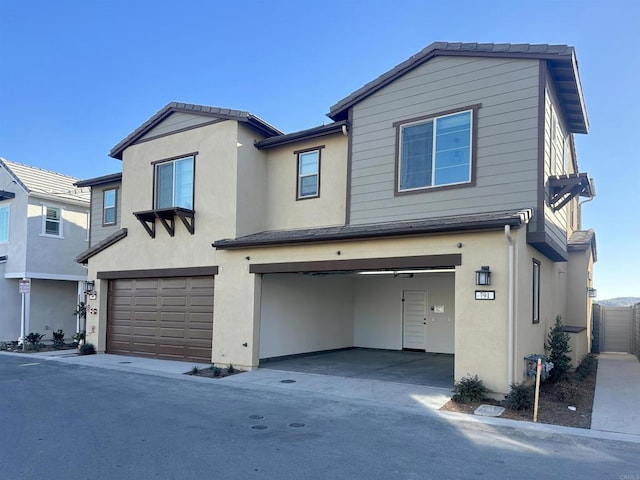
pixel 616 406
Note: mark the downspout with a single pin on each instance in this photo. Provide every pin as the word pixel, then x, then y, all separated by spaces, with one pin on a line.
pixel 510 315
pixel 525 216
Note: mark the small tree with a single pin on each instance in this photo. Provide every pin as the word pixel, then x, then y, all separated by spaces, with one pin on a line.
pixel 557 345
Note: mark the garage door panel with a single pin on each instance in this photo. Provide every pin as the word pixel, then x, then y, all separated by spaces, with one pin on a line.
pixel 161 318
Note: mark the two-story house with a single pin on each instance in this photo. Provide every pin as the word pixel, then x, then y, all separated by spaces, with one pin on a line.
pixel 43 224
pixel 440 212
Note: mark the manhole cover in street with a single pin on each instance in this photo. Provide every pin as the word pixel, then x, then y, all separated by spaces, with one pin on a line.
pixel 259 427
pixel 489 410
pixel 256 417
pixel 296 425
pixel 287 381
pixel 124 362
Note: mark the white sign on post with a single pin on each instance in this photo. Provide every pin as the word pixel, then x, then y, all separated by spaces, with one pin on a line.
pixel 25 285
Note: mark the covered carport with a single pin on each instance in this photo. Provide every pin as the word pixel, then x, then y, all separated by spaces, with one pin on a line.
pixel 388 319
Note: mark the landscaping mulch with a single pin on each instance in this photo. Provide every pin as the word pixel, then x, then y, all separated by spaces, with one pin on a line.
pixel 555 398
pixel 211 372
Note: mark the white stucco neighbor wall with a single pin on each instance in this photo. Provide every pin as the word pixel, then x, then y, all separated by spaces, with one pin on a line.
pixel 51 307
pixel 10 304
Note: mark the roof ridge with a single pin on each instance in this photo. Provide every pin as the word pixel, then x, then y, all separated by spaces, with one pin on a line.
pixel 38 168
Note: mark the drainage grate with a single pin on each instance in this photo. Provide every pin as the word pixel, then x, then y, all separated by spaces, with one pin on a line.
pixel 287 381
pixel 124 362
pixel 256 417
pixel 259 427
pixel 296 425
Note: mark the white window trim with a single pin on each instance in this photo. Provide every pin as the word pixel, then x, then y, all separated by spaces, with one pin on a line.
pixel 4 242
pixel 44 221
pixel 433 152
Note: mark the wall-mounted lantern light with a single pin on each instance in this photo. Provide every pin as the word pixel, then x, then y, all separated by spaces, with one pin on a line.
pixel 483 276
pixel 592 292
pixel 89 286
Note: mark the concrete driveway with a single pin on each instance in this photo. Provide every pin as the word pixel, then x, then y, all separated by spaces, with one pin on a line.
pixel 415 368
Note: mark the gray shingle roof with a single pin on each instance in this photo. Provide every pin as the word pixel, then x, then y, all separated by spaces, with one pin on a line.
pixel 583 240
pixel 215 112
pixel 393 229
pixel 100 246
pixel 562 63
pixel 315 132
pixel 95 181
pixel 45 183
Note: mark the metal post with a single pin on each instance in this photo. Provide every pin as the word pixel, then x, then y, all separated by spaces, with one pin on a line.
pixel 22 323
pixel 535 403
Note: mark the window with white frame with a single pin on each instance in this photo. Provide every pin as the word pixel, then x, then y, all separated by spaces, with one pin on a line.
pixel 109 203
pixel 435 151
pixel 309 174
pixel 4 223
pixel 174 183
pixel 536 292
pixel 51 221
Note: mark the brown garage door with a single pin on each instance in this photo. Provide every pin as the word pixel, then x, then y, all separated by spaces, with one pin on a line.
pixel 170 318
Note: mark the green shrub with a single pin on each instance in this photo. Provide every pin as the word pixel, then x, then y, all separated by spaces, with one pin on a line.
pixel 587 367
pixel 217 371
pixel 58 338
pixel 33 340
pixel 557 345
pixel 87 349
pixel 195 370
pixel 521 396
pixel 468 390
pixel 79 337
pixel 231 369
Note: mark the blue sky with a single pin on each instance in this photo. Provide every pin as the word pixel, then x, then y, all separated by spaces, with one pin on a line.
pixel 78 76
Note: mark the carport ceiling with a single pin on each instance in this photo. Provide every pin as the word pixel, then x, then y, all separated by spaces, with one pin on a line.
pixel 421 262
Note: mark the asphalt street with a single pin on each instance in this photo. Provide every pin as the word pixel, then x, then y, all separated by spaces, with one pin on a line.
pixel 61 421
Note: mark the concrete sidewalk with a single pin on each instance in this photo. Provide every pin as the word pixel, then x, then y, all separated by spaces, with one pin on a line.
pixel 616 406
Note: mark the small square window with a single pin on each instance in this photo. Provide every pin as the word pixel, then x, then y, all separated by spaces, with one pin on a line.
pixel 109 206
pixel 51 221
pixel 309 174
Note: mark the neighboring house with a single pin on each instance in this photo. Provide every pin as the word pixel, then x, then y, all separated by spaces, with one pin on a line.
pixel 43 223
pixel 378 230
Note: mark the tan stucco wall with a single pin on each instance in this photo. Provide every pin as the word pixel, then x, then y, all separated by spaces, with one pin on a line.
pixel 480 326
pixel 284 211
pixel 215 204
pixel 579 305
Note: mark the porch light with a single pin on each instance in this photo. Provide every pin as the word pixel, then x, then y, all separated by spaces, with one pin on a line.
pixel 592 292
pixel 483 276
pixel 89 286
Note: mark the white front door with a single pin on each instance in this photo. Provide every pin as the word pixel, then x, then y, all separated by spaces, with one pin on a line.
pixel 414 319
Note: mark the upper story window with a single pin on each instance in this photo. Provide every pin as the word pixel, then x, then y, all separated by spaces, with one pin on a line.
pixel 174 183
pixel 4 224
pixel 109 204
pixel 435 151
pixel 308 173
pixel 51 221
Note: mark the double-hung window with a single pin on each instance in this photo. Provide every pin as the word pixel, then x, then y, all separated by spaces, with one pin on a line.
pixel 435 151
pixel 51 221
pixel 109 204
pixel 309 174
pixel 174 183
pixel 4 223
